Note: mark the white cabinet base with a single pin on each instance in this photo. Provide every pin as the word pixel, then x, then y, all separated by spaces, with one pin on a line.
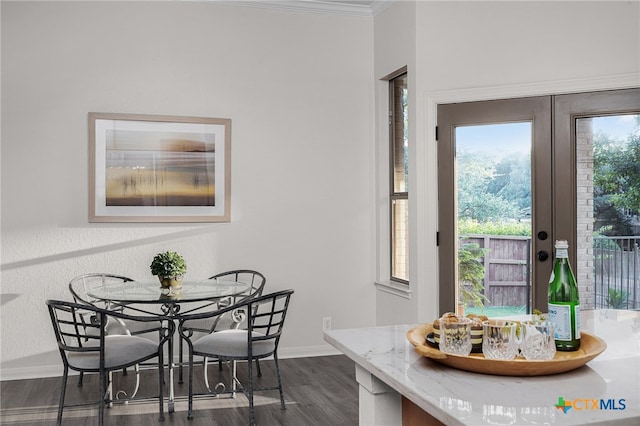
pixel 380 405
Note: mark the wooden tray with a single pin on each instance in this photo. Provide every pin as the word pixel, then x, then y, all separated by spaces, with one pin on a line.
pixel 590 347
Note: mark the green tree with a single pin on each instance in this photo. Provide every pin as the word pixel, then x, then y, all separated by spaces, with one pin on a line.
pixel 616 180
pixel 512 181
pixel 475 199
pixel 471 275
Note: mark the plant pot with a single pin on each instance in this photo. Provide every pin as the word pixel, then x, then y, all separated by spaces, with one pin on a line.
pixel 173 283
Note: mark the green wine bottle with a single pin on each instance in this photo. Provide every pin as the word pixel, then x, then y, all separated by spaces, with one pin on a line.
pixel 564 301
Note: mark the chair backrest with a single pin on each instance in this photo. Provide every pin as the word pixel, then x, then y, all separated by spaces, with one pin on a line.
pixel 248 276
pixel 82 284
pixel 266 315
pixel 74 330
pixel 77 332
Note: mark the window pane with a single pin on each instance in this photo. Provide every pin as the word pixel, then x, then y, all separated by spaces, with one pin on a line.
pixel 400 136
pixel 400 238
pixel 493 175
pixel 608 210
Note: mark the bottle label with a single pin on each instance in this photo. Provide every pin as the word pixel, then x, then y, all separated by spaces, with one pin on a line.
pixel 560 316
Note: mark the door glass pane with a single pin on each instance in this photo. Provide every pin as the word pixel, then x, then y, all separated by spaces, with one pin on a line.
pixel 608 206
pixel 493 183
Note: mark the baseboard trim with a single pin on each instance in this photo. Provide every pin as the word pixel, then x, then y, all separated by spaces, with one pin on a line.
pixel 40 371
pixel 308 352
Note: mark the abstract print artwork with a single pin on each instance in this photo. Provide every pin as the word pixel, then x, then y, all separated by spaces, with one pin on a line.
pixel 159 168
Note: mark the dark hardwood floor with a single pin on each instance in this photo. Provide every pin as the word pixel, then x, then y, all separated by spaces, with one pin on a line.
pixel 317 390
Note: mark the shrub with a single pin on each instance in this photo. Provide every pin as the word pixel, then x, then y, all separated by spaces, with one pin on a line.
pixel 473 227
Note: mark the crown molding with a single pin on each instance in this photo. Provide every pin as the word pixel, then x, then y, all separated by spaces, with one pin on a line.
pixel 379 5
pixel 312 6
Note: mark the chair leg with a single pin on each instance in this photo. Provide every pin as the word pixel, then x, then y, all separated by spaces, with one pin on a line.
pixel 160 382
pixel 101 402
pixel 80 378
pixel 65 374
pixel 109 394
pixel 275 359
pixel 180 359
pixel 190 407
pixel 252 420
pixel 258 368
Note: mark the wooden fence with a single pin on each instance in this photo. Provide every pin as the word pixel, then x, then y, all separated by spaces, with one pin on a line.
pixel 506 265
pixel 616 270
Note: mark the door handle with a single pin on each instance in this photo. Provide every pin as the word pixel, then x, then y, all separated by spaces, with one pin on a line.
pixel 543 255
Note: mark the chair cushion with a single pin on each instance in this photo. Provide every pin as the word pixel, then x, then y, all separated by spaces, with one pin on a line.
pixel 225 322
pixel 125 326
pixel 120 351
pixel 232 344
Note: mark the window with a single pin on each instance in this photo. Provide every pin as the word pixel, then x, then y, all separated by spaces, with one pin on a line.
pixel 399 177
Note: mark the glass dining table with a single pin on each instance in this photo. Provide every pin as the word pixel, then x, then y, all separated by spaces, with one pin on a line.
pixel 144 296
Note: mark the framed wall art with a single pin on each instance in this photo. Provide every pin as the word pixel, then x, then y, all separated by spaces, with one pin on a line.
pixel 150 168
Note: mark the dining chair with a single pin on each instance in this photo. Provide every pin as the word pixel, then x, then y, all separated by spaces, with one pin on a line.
pixel 81 285
pixel 227 320
pixel 265 316
pixel 80 288
pixel 86 347
pixel 230 321
pixel 247 276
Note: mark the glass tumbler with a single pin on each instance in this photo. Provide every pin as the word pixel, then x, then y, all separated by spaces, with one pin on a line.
pixel 537 340
pixel 499 339
pixel 455 335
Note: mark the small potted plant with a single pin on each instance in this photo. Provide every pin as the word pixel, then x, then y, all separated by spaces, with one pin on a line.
pixel 169 267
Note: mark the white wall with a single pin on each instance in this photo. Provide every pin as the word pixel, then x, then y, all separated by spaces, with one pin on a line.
pixel 299 89
pixel 395 42
pixel 464 45
pixel 466 51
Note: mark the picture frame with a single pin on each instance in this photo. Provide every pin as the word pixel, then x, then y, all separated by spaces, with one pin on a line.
pixel 159 168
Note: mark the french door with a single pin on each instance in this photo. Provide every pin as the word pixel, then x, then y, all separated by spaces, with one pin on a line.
pixel 514 176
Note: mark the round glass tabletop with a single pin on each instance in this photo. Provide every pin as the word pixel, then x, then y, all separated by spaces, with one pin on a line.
pixel 147 292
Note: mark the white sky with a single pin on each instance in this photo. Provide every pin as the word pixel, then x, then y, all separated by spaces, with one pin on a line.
pixel 512 137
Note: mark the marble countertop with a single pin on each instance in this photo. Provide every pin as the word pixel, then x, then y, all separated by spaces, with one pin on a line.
pixel 463 398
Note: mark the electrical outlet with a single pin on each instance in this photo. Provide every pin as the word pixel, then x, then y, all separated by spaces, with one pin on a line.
pixel 326 323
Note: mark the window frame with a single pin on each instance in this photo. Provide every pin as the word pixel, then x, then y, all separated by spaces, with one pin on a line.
pixel 395 196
